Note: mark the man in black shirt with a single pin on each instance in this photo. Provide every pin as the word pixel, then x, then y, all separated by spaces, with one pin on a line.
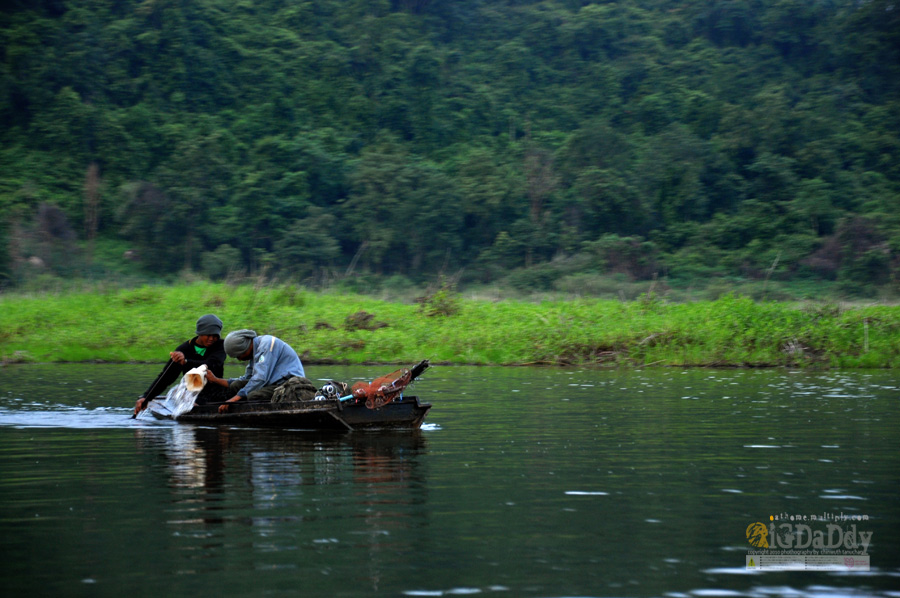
pixel 205 348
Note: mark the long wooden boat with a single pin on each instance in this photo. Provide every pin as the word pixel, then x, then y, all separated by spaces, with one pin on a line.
pixel 379 405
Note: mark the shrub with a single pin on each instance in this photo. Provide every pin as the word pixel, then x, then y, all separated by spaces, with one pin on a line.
pixel 443 302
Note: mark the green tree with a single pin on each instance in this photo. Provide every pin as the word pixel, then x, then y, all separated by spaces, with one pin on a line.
pixel 310 245
pixel 148 219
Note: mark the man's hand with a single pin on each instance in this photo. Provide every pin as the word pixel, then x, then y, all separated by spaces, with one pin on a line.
pixel 140 405
pixel 215 379
pixel 177 357
pixel 223 408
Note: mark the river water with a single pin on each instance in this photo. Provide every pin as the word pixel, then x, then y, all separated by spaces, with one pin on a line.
pixel 522 482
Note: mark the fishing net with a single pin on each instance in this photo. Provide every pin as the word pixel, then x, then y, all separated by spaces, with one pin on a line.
pixel 384 389
pixel 294 390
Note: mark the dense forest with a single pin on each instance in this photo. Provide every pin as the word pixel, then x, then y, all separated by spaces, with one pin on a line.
pixel 541 144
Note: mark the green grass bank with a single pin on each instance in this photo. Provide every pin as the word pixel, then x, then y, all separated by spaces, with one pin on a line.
pixel 143 324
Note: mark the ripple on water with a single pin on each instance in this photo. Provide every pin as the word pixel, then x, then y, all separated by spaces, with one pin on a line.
pixel 841 497
pixel 68 417
pixel 451 592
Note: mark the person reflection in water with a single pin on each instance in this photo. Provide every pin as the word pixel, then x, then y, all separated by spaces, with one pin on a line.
pixel 207 348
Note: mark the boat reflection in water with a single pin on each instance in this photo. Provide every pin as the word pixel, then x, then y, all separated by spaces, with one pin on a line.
pixel 279 492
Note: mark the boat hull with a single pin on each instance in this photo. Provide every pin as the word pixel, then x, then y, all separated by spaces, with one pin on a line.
pixel 333 415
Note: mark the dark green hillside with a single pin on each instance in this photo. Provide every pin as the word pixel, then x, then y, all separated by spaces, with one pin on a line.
pixel 536 143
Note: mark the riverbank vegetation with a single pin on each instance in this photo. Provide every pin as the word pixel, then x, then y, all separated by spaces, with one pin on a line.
pixel 144 323
pixel 544 145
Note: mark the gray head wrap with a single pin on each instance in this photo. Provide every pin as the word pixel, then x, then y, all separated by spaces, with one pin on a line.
pixel 238 341
pixel 209 324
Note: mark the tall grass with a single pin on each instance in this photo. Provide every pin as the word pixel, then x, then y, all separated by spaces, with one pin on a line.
pixel 143 324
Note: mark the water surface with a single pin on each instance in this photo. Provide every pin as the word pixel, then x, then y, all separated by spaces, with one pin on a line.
pixel 523 482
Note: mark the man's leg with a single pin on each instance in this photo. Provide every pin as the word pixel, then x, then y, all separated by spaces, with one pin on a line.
pixel 262 395
pixel 235 386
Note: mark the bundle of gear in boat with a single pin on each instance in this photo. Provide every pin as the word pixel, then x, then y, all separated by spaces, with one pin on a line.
pixel 297 390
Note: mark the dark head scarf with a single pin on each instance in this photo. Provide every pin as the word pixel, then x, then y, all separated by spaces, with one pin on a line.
pixel 209 324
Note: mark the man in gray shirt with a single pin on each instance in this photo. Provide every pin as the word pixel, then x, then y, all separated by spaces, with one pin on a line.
pixel 272 363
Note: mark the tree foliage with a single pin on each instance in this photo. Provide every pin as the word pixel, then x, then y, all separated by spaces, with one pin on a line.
pixel 417 137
